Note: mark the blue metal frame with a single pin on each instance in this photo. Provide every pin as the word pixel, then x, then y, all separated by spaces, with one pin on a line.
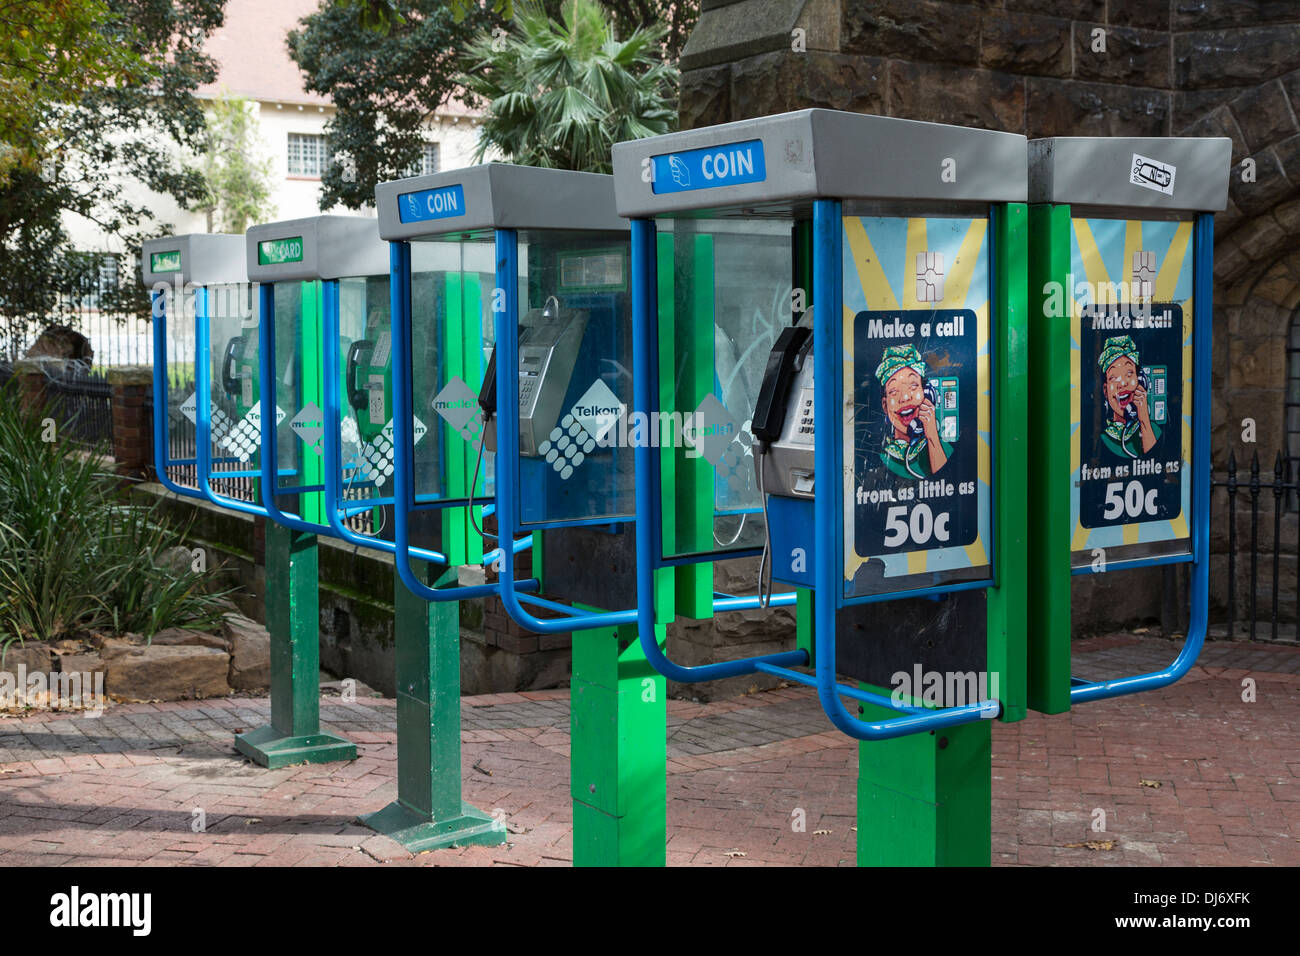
pixel 337 507
pixel 399 262
pixel 828 503
pixel 203 413
pixel 270 445
pixel 1202 321
pixel 507 466
pixel 161 440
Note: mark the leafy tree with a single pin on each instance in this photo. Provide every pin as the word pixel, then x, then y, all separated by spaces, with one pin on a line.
pixel 52 52
pixel 677 18
pixel 94 135
pixel 385 85
pixel 562 94
pixel 237 182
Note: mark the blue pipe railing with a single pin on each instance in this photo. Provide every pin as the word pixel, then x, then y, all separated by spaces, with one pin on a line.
pixel 161 439
pixel 399 254
pixel 271 472
pixel 1202 333
pixel 827 346
pixel 507 460
pixel 203 411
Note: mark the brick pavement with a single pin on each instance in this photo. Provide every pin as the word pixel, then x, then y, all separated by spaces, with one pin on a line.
pixel 123 789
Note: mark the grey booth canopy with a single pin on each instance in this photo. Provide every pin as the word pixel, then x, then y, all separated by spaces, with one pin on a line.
pixel 496 196
pixel 206 259
pixel 1176 173
pixel 825 154
pixel 333 247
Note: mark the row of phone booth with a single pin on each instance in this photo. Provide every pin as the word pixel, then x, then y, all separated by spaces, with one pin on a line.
pixel 1018 343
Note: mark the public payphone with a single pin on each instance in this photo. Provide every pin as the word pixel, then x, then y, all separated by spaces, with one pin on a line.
pixel 533 399
pixel 1122 275
pixel 193 281
pixel 902 279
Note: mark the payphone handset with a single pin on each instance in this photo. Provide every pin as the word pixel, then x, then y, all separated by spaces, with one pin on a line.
pixel 783 435
pixel 367 378
pixel 549 339
pixel 239 370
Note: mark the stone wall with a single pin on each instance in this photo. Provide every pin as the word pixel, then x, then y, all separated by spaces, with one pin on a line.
pixel 1064 67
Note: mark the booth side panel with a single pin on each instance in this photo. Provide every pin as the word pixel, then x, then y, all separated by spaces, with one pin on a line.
pixel 1048 651
pixel 692 322
pixel 313 392
pixel 1006 601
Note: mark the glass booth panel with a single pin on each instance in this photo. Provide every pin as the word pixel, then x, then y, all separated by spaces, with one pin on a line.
pixel 365 396
pixel 732 296
pixel 451 339
pixel 180 384
pixel 298 393
pixel 576 452
pixel 233 388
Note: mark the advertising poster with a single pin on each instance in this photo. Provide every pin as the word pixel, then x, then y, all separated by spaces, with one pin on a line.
pixel 916 313
pixel 1131 319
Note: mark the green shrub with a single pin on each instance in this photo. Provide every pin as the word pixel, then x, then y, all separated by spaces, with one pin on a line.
pixel 73 556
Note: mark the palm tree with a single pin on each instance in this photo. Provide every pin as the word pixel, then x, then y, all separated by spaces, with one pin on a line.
pixel 561 94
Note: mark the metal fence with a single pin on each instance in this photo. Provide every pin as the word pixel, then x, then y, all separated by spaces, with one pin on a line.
pixel 1252 494
pixel 81 402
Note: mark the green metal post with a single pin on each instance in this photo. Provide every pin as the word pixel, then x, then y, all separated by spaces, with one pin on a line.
pixel 292 603
pixel 926 799
pixel 619 756
pixel 293 619
pixel 1048 658
pixel 429 812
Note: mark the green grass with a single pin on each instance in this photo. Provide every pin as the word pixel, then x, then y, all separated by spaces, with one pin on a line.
pixel 73 556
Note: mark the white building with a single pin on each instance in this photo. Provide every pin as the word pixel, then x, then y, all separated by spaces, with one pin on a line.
pixel 253 61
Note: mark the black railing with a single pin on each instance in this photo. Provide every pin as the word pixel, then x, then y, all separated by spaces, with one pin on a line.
pixel 1255 488
pixel 81 402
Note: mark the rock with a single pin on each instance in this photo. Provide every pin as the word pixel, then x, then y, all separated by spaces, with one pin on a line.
pixel 114 647
pixel 168 673
pixel 65 342
pixel 34 656
pixel 250 653
pixel 177 560
pixel 185 637
pixel 82 664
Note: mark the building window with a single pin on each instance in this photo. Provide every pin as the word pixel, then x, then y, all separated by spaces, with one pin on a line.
pixel 98 281
pixel 308 154
pixel 427 164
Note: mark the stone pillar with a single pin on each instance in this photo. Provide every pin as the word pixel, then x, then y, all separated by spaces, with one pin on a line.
pixel 31 374
pixel 132 422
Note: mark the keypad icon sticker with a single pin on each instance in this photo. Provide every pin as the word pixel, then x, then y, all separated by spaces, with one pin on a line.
pixel 567 446
pixel 246 437
pixel 929 277
pixel 457 405
pixel 1144 273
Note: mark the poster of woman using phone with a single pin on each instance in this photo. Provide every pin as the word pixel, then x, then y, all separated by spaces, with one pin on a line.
pixel 913 447
pixel 1129 431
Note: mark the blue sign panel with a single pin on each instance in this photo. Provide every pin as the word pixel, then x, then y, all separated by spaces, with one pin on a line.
pixel 441 203
pixel 728 165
